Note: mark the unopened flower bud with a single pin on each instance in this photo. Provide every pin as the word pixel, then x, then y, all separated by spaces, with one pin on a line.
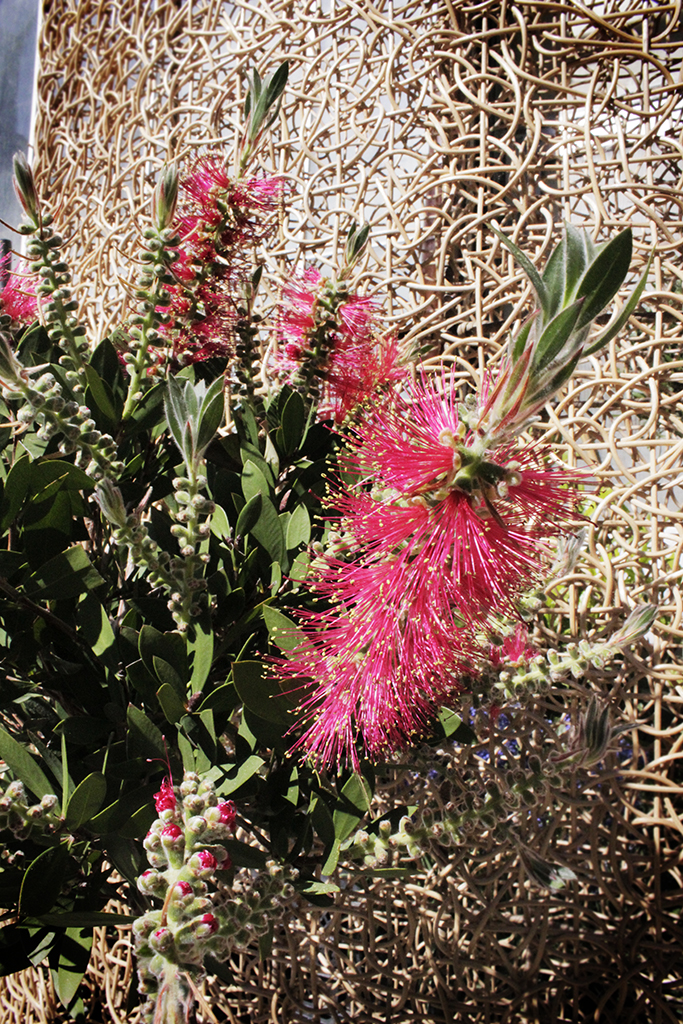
pixel 24 186
pixel 197 825
pixel 207 925
pixel 161 940
pixel 16 791
pixel 203 864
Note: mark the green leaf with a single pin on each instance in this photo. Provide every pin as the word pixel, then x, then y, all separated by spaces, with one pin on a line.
pixel 200 651
pixel 167 675
pixel 580 252
pixel 168 647
pixel 16 489
pixel 175 410
pixel 245 771
pixel 388 872
pixel 454 728
pixel 86 800
pixel 332 859
pixel 23 765
pixel 619 320
pixel 357 794
pixel 106 362
pixel 604 276
pixel 357 790
pixel 218 969
pixel 519 343
pixel 450 721
pixel 293 421
pixel 85 919
pixel 260 693
pixel 321 818
pixel 69 961
pixel 244 856
pixel 249 516
pixel 42 881
pixel 115 816
pixel 220 525
pixel 171 704
pixel 555 336
pixel 66 575
pixel 318 888
pixel 298 528
pixel 126 856
pixel 222 700
pixel 96 629
pixel 11 562
pixel 48 476
pixel 282 630
pixel 18 946
pixel 211 413
pixel 269 533
pixel 529 269
pixel 144 739
pixel 253 481
pixel 99 398
pixel 147 410
pixel 265 943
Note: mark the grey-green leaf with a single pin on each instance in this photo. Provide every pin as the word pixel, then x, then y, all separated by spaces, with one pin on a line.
pixel 86 800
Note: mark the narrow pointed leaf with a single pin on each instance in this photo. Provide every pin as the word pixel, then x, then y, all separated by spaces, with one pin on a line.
pixel 86 800
pixel 23 766
pixel 519 343
pixel 528 268
pixel 555 336
pixel 555 276
pixel 619 321
pixel 249 516
pixel 604 276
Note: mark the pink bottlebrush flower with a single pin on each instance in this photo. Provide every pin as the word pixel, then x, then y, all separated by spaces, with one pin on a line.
pixel 224 213
pixel 338 335
pixel 18 298
pixel 446 533
pixel 297 318
pixel 182 889
pixel 165 799
pixel 359 372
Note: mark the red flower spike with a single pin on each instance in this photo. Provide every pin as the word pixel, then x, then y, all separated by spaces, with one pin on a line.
pixel 171 831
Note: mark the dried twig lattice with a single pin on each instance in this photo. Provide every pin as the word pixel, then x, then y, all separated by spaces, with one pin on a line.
pixel 431 121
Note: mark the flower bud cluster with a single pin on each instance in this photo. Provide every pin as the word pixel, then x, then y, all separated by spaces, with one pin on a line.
pixel 184 852
pixel 176 575
pixel 158 257
pixel 192 518
pixel 526 678
pixel 491 805
pixel 22 818
pixel 45 404
pixel 59 306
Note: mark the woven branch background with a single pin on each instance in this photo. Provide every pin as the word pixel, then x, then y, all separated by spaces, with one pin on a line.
pixel 429 120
